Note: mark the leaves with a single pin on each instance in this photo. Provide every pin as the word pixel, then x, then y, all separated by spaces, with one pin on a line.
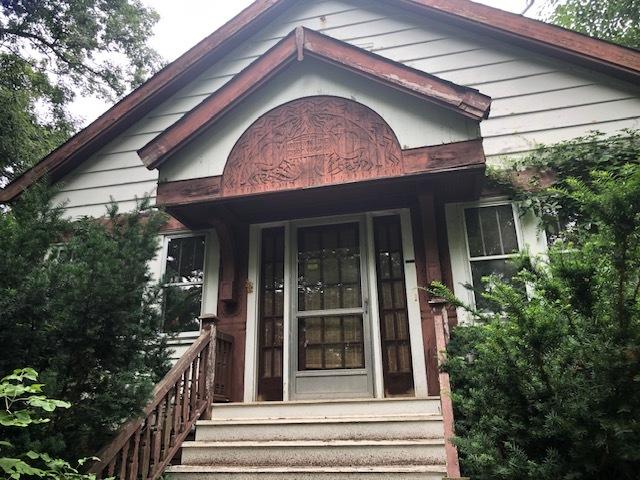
pixel 547 389
pixel 87 319
pixel 613 20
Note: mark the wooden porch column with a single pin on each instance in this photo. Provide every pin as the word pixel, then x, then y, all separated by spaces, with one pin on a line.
pixel 433 273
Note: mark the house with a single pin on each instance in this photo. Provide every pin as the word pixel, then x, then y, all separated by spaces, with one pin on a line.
pixel 323 160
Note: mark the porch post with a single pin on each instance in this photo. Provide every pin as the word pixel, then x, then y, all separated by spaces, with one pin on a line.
pixel 433 273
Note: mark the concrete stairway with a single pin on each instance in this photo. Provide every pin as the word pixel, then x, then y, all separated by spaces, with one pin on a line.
pixel 348 439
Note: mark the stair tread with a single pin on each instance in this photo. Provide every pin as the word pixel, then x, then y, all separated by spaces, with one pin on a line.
pixel 322 419
pixel 309 469
pixel 310 443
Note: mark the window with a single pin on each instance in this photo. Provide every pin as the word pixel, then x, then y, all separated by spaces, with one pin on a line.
pixel 183 282
pixel 492 239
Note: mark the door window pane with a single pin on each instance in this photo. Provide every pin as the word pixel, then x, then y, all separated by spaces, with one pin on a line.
pixel 329 267
pixel 271 314
pixel 330 342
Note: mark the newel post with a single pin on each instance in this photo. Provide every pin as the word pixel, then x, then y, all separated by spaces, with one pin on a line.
pixel 209 325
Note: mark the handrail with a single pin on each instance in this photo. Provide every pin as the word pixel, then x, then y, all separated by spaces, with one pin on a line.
pixel 145 445
pixel 441 321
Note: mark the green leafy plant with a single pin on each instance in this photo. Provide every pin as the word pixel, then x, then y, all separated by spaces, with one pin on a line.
pixel 78 304
pixel 23 403
pixel 548 386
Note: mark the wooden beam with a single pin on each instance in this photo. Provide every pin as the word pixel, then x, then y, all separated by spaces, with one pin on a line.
pixel 182 192
pixel 436 159
pixel 442 158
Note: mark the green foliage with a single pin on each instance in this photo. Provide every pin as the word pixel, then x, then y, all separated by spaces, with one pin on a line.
pixel 549 387
pixel 613 20
pixel 77 304
pixel 32 120
pixel 17 392
pixel 49 49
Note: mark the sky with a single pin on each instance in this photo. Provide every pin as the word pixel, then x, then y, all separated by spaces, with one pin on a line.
pixel 181 28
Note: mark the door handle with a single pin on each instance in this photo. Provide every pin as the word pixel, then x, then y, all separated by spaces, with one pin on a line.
pixel 366 306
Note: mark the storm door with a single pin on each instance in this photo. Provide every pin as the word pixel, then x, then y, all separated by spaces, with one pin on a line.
pixel 330 341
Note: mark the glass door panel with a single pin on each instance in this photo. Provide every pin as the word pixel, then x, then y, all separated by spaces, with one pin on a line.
pixel 331 318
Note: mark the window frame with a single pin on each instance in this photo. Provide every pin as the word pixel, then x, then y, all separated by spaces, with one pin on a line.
pixel 205 271
pixel 528 229
pixel 515 211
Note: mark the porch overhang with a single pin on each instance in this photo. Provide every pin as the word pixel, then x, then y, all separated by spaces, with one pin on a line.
pixel 434 165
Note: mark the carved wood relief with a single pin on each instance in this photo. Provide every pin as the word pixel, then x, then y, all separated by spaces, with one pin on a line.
pixel 309 142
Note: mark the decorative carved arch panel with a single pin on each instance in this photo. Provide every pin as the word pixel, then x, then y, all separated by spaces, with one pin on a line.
pixel 310 142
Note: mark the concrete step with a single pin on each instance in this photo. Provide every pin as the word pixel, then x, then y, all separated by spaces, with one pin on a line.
pixel 381 427
pixel 397 472
pixel 319 453
pixel 324 408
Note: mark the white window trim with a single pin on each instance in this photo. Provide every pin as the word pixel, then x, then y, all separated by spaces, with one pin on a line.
pixel 529 233
pixel 413 305
pixel 210 278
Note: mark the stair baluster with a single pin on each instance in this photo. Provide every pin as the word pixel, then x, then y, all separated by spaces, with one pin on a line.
pixel 145 446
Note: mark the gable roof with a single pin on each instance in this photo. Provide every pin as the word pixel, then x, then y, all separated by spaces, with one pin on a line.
pixel 556 41
pixel 300 44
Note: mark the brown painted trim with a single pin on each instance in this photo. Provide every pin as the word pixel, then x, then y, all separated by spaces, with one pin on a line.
pixel 155 90
pixel 416 161
pixel 465 100
pixel 296 44
pixel 194 190
pixel 598 54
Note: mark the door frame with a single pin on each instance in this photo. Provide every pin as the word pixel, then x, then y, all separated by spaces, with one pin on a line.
pixel 413 305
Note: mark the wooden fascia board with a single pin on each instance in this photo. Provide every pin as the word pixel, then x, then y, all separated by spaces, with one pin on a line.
pixel 296 45
pixel 137 103
pixel 529 32
pixel 435 159
pixel 464 100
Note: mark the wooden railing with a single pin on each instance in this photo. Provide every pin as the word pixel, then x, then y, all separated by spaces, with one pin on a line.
pixel 145 446
pixel 441 320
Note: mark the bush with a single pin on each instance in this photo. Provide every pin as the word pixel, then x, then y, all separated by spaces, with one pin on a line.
pixel 549 386
pixel 76 303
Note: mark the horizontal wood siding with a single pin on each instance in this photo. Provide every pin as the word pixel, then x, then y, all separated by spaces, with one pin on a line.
pixel 536 99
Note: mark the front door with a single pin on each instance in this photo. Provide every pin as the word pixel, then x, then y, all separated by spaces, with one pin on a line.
pixel 333 310
pixel 331 332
